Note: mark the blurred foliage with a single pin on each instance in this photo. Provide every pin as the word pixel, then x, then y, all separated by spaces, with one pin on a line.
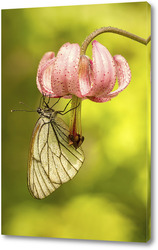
pixel 109 199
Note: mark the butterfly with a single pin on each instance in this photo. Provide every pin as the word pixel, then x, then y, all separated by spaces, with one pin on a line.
pixel 52 160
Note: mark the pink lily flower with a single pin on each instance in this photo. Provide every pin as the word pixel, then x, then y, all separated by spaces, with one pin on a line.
pixel 70 74
pixel 76 76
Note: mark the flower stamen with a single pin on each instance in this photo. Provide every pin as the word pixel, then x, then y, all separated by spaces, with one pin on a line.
pixel 75 136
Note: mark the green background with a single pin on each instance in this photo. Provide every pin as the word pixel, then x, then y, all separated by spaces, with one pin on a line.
pixel 109 199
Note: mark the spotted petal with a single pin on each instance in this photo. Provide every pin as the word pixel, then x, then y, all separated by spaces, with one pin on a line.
pixel 123 74
pixel 104 72
pixel 85 74
pixel 43 79
pixel 64 78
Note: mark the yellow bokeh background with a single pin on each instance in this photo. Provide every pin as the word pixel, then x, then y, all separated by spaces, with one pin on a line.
pixel 109 199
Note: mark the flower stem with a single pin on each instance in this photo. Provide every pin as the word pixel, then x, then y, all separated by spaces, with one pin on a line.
pixel 112 30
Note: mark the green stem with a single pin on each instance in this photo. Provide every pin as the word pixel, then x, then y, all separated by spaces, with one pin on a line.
pixel 112 30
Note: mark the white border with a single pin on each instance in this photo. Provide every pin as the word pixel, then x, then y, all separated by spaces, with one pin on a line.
pixel 9 4
pixel 9 242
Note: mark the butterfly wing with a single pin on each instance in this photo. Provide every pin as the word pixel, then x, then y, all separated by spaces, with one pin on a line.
pixel 52 161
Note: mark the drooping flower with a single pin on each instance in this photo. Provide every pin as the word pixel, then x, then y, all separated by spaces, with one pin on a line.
pixel 76 76
pixel 70 74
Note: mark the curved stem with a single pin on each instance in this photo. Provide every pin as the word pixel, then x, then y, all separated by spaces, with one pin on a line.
pixel 112 30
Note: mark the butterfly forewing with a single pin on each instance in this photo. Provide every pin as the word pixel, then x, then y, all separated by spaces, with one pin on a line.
pixel 52 161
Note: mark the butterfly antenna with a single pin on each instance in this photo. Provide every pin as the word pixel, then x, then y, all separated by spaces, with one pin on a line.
pixel 26 110
pixel 14 110
pixel 29 108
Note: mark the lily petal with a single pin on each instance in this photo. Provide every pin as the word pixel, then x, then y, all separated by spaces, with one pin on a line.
pixel 104 72
pixel 123 74
pixel 59 71
pixel 65 71
pixel 85 71
pixel 43 79
pixel 72 78
pixel 99 99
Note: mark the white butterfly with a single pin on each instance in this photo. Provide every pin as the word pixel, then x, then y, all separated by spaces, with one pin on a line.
pixel 52 161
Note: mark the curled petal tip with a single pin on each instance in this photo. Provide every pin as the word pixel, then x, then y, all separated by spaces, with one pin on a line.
pixel 43 79
pixel 100 99
pixel 94 41
pixel 123 74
